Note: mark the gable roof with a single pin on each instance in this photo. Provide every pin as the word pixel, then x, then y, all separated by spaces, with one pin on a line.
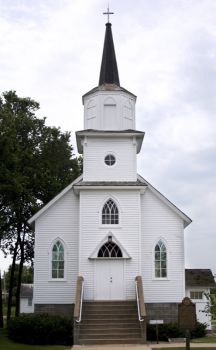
pixel 140 180
pixel 166 201
pixel 199 277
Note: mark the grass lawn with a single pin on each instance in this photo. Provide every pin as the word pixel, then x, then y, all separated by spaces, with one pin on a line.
pixel 209 339
pixel 192 348
pixel 7 344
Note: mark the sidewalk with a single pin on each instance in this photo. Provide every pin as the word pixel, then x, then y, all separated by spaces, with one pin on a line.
pixel 142 347
pixel 179 345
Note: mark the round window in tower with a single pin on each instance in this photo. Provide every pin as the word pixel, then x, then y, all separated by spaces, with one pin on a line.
pixel 110 159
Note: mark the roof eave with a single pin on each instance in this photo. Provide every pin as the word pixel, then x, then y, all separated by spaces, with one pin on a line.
pixel 78 188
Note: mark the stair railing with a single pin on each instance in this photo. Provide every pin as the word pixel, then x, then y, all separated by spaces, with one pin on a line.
pixel 140 299
pixel 79 299
pixel 141 307
pixel 78 307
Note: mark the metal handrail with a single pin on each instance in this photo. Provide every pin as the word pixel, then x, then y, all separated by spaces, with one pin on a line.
pixel 81 303
pixel 141 319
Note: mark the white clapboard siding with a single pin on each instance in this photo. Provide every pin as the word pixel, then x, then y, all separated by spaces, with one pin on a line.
pixel 95 151
pixel 59 221
pixel 159 221
pixel 92 233
pixel 122 111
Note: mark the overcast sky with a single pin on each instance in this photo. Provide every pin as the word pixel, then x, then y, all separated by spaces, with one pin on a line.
pixel 50 50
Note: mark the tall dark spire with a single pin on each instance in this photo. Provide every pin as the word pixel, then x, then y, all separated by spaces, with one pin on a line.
pixel 109 69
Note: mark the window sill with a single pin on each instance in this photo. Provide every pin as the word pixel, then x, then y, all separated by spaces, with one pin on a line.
pixel 161 279
pixel 57 280
pixel 110 226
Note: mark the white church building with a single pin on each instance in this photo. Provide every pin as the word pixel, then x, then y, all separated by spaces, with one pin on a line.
pixel 110 225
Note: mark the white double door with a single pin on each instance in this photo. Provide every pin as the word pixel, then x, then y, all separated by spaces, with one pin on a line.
pixel 109 280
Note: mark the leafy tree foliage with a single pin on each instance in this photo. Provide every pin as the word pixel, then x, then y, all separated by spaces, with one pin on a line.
pixel 210 308
pixel 213 303
pixel 36 162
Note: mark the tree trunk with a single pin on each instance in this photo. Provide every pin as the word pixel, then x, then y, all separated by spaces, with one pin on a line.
pixel 19 280
pixel 11 284
pixel 1 306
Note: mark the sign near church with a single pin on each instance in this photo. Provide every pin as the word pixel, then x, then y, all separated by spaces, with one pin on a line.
pixel 187 314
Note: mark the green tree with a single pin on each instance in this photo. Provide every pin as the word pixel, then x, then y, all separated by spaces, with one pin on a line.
pixel 210 308
pixel 213 303
pixel 36 162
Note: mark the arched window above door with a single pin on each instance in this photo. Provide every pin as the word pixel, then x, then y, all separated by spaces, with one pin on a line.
pixel 110 250
pixel 109 247
pixel 110 213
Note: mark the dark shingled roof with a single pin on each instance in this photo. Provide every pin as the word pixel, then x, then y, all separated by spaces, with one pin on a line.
pixel 107 87
pixel 26 290
pixel 199 277
pixel 109 69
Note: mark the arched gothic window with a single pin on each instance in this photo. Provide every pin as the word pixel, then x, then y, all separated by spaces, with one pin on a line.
pixel 58 260
pixel 160 256
pixel 110 250
pixel 110 214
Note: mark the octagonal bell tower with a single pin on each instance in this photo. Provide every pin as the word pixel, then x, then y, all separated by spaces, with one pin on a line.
pixel 109 124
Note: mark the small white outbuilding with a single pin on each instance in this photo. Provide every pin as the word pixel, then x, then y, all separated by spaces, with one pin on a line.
pixel 26 298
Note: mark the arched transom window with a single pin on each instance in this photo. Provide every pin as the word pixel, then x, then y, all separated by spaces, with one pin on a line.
pixel 110 250
pixel 58 260
pixel 110 213
pixel 160 260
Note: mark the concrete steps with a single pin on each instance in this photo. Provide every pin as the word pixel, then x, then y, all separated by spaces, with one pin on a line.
pixel 110 322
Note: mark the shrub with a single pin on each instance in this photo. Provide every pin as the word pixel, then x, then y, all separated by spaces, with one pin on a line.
pixel 40 329
pixel 165 331
pixel 171 330
pixel 199 331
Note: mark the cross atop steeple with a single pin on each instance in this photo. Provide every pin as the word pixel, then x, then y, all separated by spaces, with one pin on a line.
pixel 108 13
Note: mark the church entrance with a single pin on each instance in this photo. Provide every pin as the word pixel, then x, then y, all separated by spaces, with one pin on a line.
pixel 109 279
pixel 109 272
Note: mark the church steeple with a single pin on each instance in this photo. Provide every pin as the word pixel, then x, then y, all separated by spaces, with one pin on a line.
pixel 109 68
pixel 109 106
